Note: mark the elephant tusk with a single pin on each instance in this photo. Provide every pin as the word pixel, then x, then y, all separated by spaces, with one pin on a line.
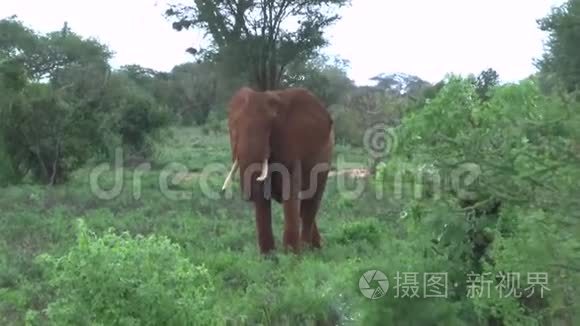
pixel 264 174
pixel 230 175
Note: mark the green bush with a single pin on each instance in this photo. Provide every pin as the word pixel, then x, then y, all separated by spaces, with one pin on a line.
pixel 507 168
pixel 46 135
pixel 124 280
pixel 132 114
pixel 8 174
pixel 348 126
pixel 358 231
pixel 215 127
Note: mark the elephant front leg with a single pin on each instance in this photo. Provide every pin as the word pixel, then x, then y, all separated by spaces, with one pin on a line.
pixel 292 211
pixel 264 225
pixel 292 225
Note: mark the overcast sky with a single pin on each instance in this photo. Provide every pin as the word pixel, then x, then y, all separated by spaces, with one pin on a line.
pixel 422 37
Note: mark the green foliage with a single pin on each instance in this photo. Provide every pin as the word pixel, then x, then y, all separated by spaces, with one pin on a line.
pixel 526 240
pixel 407 265
pixel 394 234
pixel 12 78
pixel 48 129
pixel 560 64
pixel 189 91
pixel 503 169
pixel 255 33
pixel 326 79
pixel 348 125
pixel 366 230
pixel 215 126
pixel 132 113
pixel 43 135
pixel 51 128
pixel 363 107
pixel 196 89
pixel 124 280
pixel 521 140
pixel 485 82
pixel 482 181
pixel 401 84
pixel 8 174
pixel 44 55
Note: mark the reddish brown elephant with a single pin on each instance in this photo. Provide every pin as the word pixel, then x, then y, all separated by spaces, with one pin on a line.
pixel 282 143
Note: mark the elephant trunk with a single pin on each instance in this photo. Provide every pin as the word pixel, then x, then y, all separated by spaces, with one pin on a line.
pixel 251 152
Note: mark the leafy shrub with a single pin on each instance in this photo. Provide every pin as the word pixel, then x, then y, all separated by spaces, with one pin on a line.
pixel 8 174
pixel 124 280
pixel 358 231
pixel 544 286
pixel 507 166
pixel 132 114
pixel 348 126
pixel 214 126
pixel 51 128
pixel 45 135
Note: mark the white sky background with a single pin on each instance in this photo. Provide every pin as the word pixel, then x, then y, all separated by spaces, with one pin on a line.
pixel 421 37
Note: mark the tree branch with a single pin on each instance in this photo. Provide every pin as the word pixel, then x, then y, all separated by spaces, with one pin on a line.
pixel 55 163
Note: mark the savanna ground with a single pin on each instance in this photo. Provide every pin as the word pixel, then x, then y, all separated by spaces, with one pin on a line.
pixel 218 234
pixel 161 248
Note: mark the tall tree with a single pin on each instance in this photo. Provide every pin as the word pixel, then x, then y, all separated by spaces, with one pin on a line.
pixel 324 77
pixel 561 61
pixel 44 55
pixel 48 128
pixel 195 85
pixel 251 37
pixel 485 82
pixel 400 84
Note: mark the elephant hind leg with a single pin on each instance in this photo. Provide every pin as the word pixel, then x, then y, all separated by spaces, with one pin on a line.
pixel 310 235
pixel 316 239
pixel 309 209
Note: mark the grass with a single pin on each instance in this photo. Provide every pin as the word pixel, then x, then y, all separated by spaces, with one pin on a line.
pixel 358 234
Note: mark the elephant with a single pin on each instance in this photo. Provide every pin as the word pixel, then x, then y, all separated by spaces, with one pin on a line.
pixel 287 137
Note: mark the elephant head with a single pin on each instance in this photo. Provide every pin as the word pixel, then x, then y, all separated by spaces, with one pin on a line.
pixel 250 121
